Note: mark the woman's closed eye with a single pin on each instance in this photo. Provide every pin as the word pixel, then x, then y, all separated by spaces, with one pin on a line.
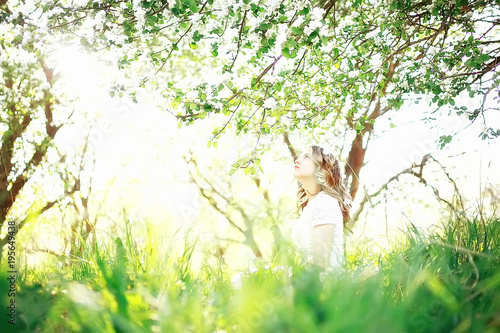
pixel 302 157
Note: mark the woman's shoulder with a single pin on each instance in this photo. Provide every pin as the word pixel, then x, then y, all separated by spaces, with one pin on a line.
pixel 326 210
pixel 326 198
pixel 326 201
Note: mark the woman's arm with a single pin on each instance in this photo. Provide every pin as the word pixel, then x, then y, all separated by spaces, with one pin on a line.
pixel 323 243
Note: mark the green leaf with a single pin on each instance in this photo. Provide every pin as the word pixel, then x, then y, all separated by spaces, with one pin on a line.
pixel 444 140
pixel 286 52
pixel 151 20
pixel 263 26
pixel 277 86
pixel 83 41
pixel 176 102
pixel 484 58
pixel 359 127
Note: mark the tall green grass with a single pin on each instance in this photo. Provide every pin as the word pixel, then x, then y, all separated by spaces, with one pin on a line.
pixel 447 281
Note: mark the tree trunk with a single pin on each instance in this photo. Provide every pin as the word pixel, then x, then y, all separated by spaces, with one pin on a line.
pixel 355 160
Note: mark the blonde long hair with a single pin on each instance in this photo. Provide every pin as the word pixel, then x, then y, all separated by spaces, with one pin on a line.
pixel 328 174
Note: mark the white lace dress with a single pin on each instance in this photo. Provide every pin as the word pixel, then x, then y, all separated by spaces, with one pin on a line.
pixel 321 209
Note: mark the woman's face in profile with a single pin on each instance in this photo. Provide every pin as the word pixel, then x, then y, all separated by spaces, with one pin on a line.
pixel 304 165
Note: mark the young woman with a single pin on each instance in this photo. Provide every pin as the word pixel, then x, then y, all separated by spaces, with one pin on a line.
pixel 324 204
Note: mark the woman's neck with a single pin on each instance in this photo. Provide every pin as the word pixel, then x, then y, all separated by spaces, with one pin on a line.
pixel 311 187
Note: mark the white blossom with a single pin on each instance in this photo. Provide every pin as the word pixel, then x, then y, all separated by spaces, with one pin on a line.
pixel 344 65
pixel 24 8
pixel 141 18
pixel 328 47
pixel 376 61
pixel 300 19
pixel 348 105
pixel 299 4
pixel 353 74
pixel 423 70
pixel 27 37
pixel 378 40
pixel 99 20
pixel 243 80
pixel 80 3
pixel 273 5
pixel 270 103
pixel 136 4
pixel 271 78
pixel 281 37
pixel 211 25
pixel 433 49
pixel 253 22
pixel 373 33
pixel 317 13
pixel 192 94
pixel 230 34
pixel 324 31
pixel 351 52
pixel 195 17
pixel 313 25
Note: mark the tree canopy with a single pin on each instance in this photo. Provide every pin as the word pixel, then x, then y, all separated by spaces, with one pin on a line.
pixel 271 67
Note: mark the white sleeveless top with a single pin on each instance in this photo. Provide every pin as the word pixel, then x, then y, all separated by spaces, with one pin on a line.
pixel 321 209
